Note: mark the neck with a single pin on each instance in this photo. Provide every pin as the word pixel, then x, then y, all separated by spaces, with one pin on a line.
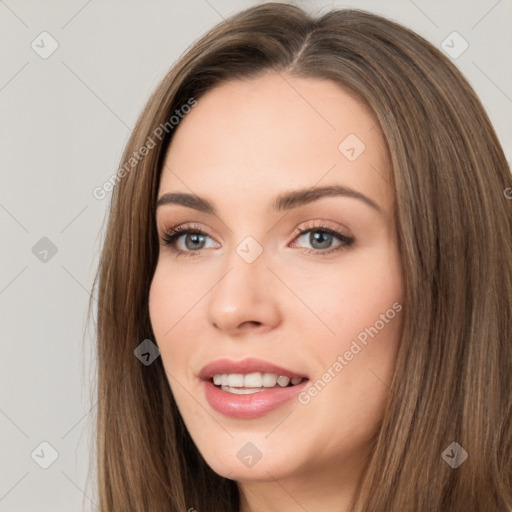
pixel 331 487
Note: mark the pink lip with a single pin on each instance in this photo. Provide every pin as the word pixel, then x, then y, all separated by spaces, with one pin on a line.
pixel 249 365
pixel 249 406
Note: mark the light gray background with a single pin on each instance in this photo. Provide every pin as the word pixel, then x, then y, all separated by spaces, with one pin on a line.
pixel 64 121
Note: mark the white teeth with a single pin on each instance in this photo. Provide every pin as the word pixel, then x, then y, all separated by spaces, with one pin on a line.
pixel 253 381
pixel 268 380
pixel 283 381
pixel 241 391
pixel 235 380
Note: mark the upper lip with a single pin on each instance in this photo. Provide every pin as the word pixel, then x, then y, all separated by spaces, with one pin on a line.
pixel 245 366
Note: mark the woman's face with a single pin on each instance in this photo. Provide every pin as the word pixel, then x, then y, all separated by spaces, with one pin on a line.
pixel 319 305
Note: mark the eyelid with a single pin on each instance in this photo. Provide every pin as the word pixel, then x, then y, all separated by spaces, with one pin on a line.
pixel 183 229
pixel 322 226
pixel 297 231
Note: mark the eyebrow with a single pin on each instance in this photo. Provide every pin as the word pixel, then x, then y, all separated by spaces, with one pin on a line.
pixel 285 201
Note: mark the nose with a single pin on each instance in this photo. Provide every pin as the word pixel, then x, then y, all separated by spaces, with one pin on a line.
pixel 245 297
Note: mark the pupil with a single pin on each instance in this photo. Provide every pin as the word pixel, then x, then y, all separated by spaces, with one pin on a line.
pixel 321 237
pixel 194 237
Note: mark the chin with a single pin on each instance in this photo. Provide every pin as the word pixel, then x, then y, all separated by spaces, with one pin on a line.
pixel 244 461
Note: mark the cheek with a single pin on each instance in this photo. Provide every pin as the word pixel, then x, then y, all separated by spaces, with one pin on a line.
pixel 160 304
pixel 169 302
pixel 349 298
pixel 360 305
pixel 167 310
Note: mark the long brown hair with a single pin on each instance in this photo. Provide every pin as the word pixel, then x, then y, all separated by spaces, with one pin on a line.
pixel 454 224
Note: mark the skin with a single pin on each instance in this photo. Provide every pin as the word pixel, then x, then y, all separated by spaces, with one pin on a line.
pixel 242 145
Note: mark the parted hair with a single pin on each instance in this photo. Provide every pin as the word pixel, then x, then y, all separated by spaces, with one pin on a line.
pixel 453 378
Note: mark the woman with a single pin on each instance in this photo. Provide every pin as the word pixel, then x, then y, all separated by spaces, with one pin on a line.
pixel 314 231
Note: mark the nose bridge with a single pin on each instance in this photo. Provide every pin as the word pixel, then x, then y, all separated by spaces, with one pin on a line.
pixel 243 292
pixel 246 261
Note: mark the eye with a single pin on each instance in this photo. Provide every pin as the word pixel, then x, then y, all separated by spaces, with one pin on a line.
pixel 321 238
pixel 193 237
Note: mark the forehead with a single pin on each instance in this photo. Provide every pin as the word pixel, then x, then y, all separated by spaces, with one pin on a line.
pixel 246 141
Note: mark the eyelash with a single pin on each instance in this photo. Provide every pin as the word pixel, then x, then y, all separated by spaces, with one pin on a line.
pixel 170 237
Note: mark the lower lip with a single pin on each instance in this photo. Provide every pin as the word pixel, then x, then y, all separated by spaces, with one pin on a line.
pixel 251 405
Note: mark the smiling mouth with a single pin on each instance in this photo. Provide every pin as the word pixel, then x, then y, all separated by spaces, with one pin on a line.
pixel 243 384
